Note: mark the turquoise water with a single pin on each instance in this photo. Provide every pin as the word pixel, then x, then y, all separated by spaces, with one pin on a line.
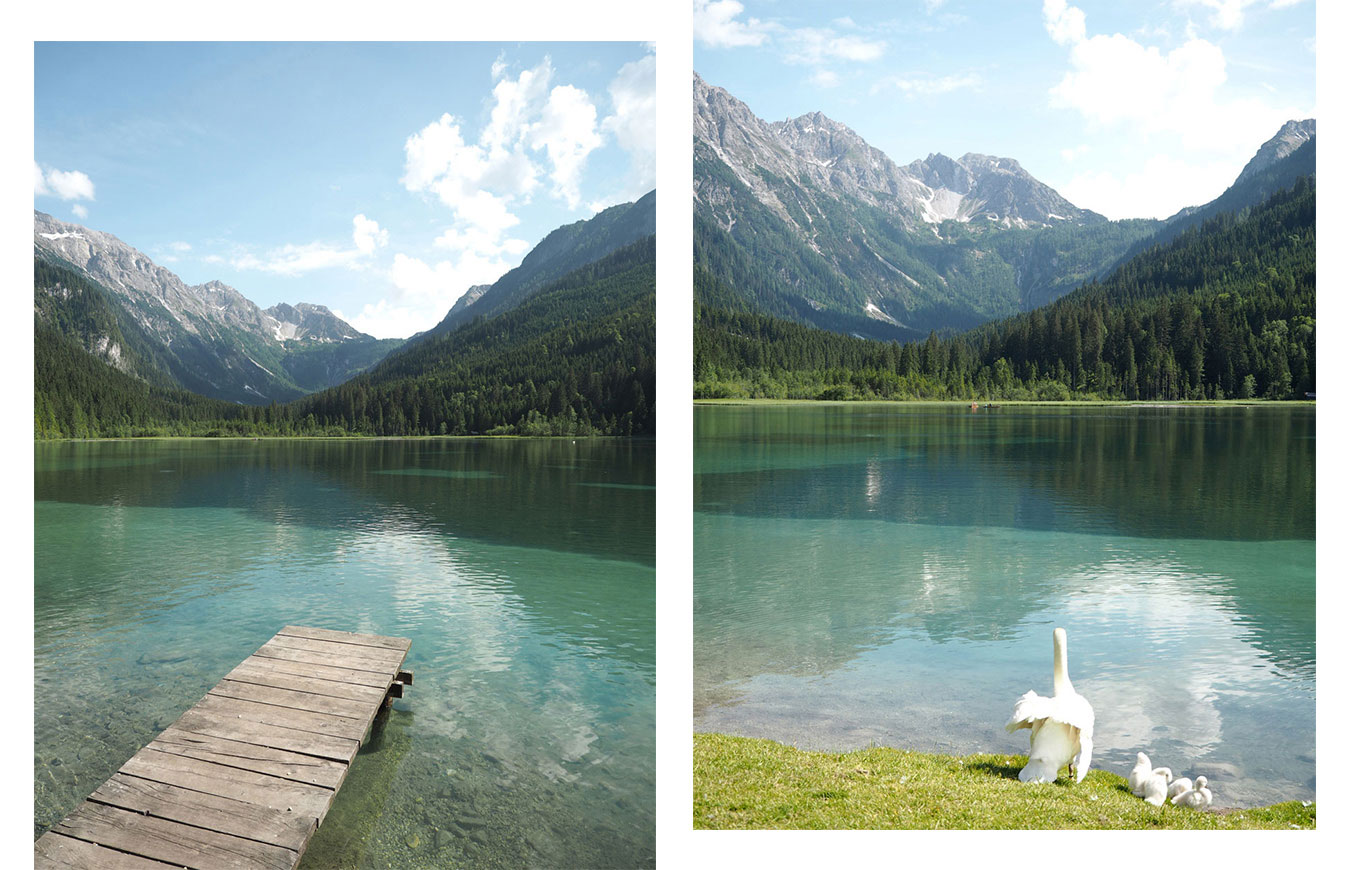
pixel 890 575
pixel 522 570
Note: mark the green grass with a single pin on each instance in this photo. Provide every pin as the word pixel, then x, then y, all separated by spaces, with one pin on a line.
pixel 741 782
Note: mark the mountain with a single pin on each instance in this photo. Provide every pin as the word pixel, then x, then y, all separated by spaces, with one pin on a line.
pixel 803 219
pixel 1224 310
pixel 562 250
pixel 209 338
pixel 574 357
pixel 1287 140
pixel 1284 158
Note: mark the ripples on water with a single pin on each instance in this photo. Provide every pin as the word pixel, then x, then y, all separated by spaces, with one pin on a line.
pixel 893 576
pixel 528 737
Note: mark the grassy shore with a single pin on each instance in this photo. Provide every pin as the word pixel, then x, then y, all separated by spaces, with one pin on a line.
pixel 740 782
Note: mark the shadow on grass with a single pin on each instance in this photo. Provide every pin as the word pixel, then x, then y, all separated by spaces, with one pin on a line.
pixel 996 768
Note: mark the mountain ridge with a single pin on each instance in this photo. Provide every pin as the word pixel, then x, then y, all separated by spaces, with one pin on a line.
pixel 212 339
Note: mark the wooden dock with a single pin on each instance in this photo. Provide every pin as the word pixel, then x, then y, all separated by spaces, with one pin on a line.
pixel 245 777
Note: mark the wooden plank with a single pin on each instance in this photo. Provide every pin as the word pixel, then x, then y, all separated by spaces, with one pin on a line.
pixel 201 810
pixel 259 759
pixel 342 652
pixel 295 662
pixel 299 700
pixel 171 842
pixel 358 639
pixel 306 742
pixel 56 852
pixel 273 650
pixel 245 776
pixel 265 672
pixel 280 795
pixel 282 717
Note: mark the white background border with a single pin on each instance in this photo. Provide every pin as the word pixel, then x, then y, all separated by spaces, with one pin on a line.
pixel 668 24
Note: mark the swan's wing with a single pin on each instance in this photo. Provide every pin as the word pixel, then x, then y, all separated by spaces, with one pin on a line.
pixel 1085 755
pixel 1030 708
pixel 1072 709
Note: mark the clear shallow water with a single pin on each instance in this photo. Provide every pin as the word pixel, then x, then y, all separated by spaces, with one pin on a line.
pixel 890 575
pixel 522 570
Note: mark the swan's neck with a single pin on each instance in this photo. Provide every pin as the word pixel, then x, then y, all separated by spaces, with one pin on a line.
pixel 1060 673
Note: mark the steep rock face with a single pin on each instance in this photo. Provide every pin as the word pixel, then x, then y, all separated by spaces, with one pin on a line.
pixel 308 322
pixel 803 219
pixel 1287 140
pixel 207 338
pixel 827 156
pixel 472 295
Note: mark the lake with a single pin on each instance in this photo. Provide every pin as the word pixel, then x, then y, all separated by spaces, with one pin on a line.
pixel 521 569
pixel 891 574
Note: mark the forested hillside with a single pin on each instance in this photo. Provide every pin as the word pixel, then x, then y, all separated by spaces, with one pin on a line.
pixel 1224 310
pixel 576 358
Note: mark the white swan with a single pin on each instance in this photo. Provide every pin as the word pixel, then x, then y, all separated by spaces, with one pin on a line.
pixel 1178 786
pixel 1063 725
pixel 1156 787
pixel 1139 774
pixel 1198 797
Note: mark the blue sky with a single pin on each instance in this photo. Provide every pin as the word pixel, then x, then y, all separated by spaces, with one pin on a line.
pixel 1132 109
pixel 379 179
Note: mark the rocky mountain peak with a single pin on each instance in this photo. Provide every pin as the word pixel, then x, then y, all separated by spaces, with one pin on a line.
pixel 939 171
pixel 837 161
pixel 1286 141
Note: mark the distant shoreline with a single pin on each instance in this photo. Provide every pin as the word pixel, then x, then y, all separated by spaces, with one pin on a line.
pixel 1002 403
pixel 343 438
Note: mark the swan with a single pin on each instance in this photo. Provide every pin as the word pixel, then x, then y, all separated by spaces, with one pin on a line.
pixel 1062 725
pixel 1139 774
pixel 1198 797
pixel 1156 787
pixel 1178 786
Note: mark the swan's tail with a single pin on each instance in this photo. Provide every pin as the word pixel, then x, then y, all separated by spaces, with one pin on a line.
pixel 1038 770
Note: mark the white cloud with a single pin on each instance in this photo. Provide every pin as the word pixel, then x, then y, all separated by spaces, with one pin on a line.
pixel 79 211
pixel 824 78
pixel 180 247
pixel 291 259
pixel 367 235
pixel 1065 24
pixel 517 102
pixel 1229 14
pixel 1070 154
pixel 485 244
pixel 384 319
pixel 1166 103
pixel 422 293
pixel 567 131
pixel 212 258
pixel 632 120
pixel 298 259
pixel 924 86
pixel 814 45
pixel 1162 186
pixel 62 184
pixel 714 24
